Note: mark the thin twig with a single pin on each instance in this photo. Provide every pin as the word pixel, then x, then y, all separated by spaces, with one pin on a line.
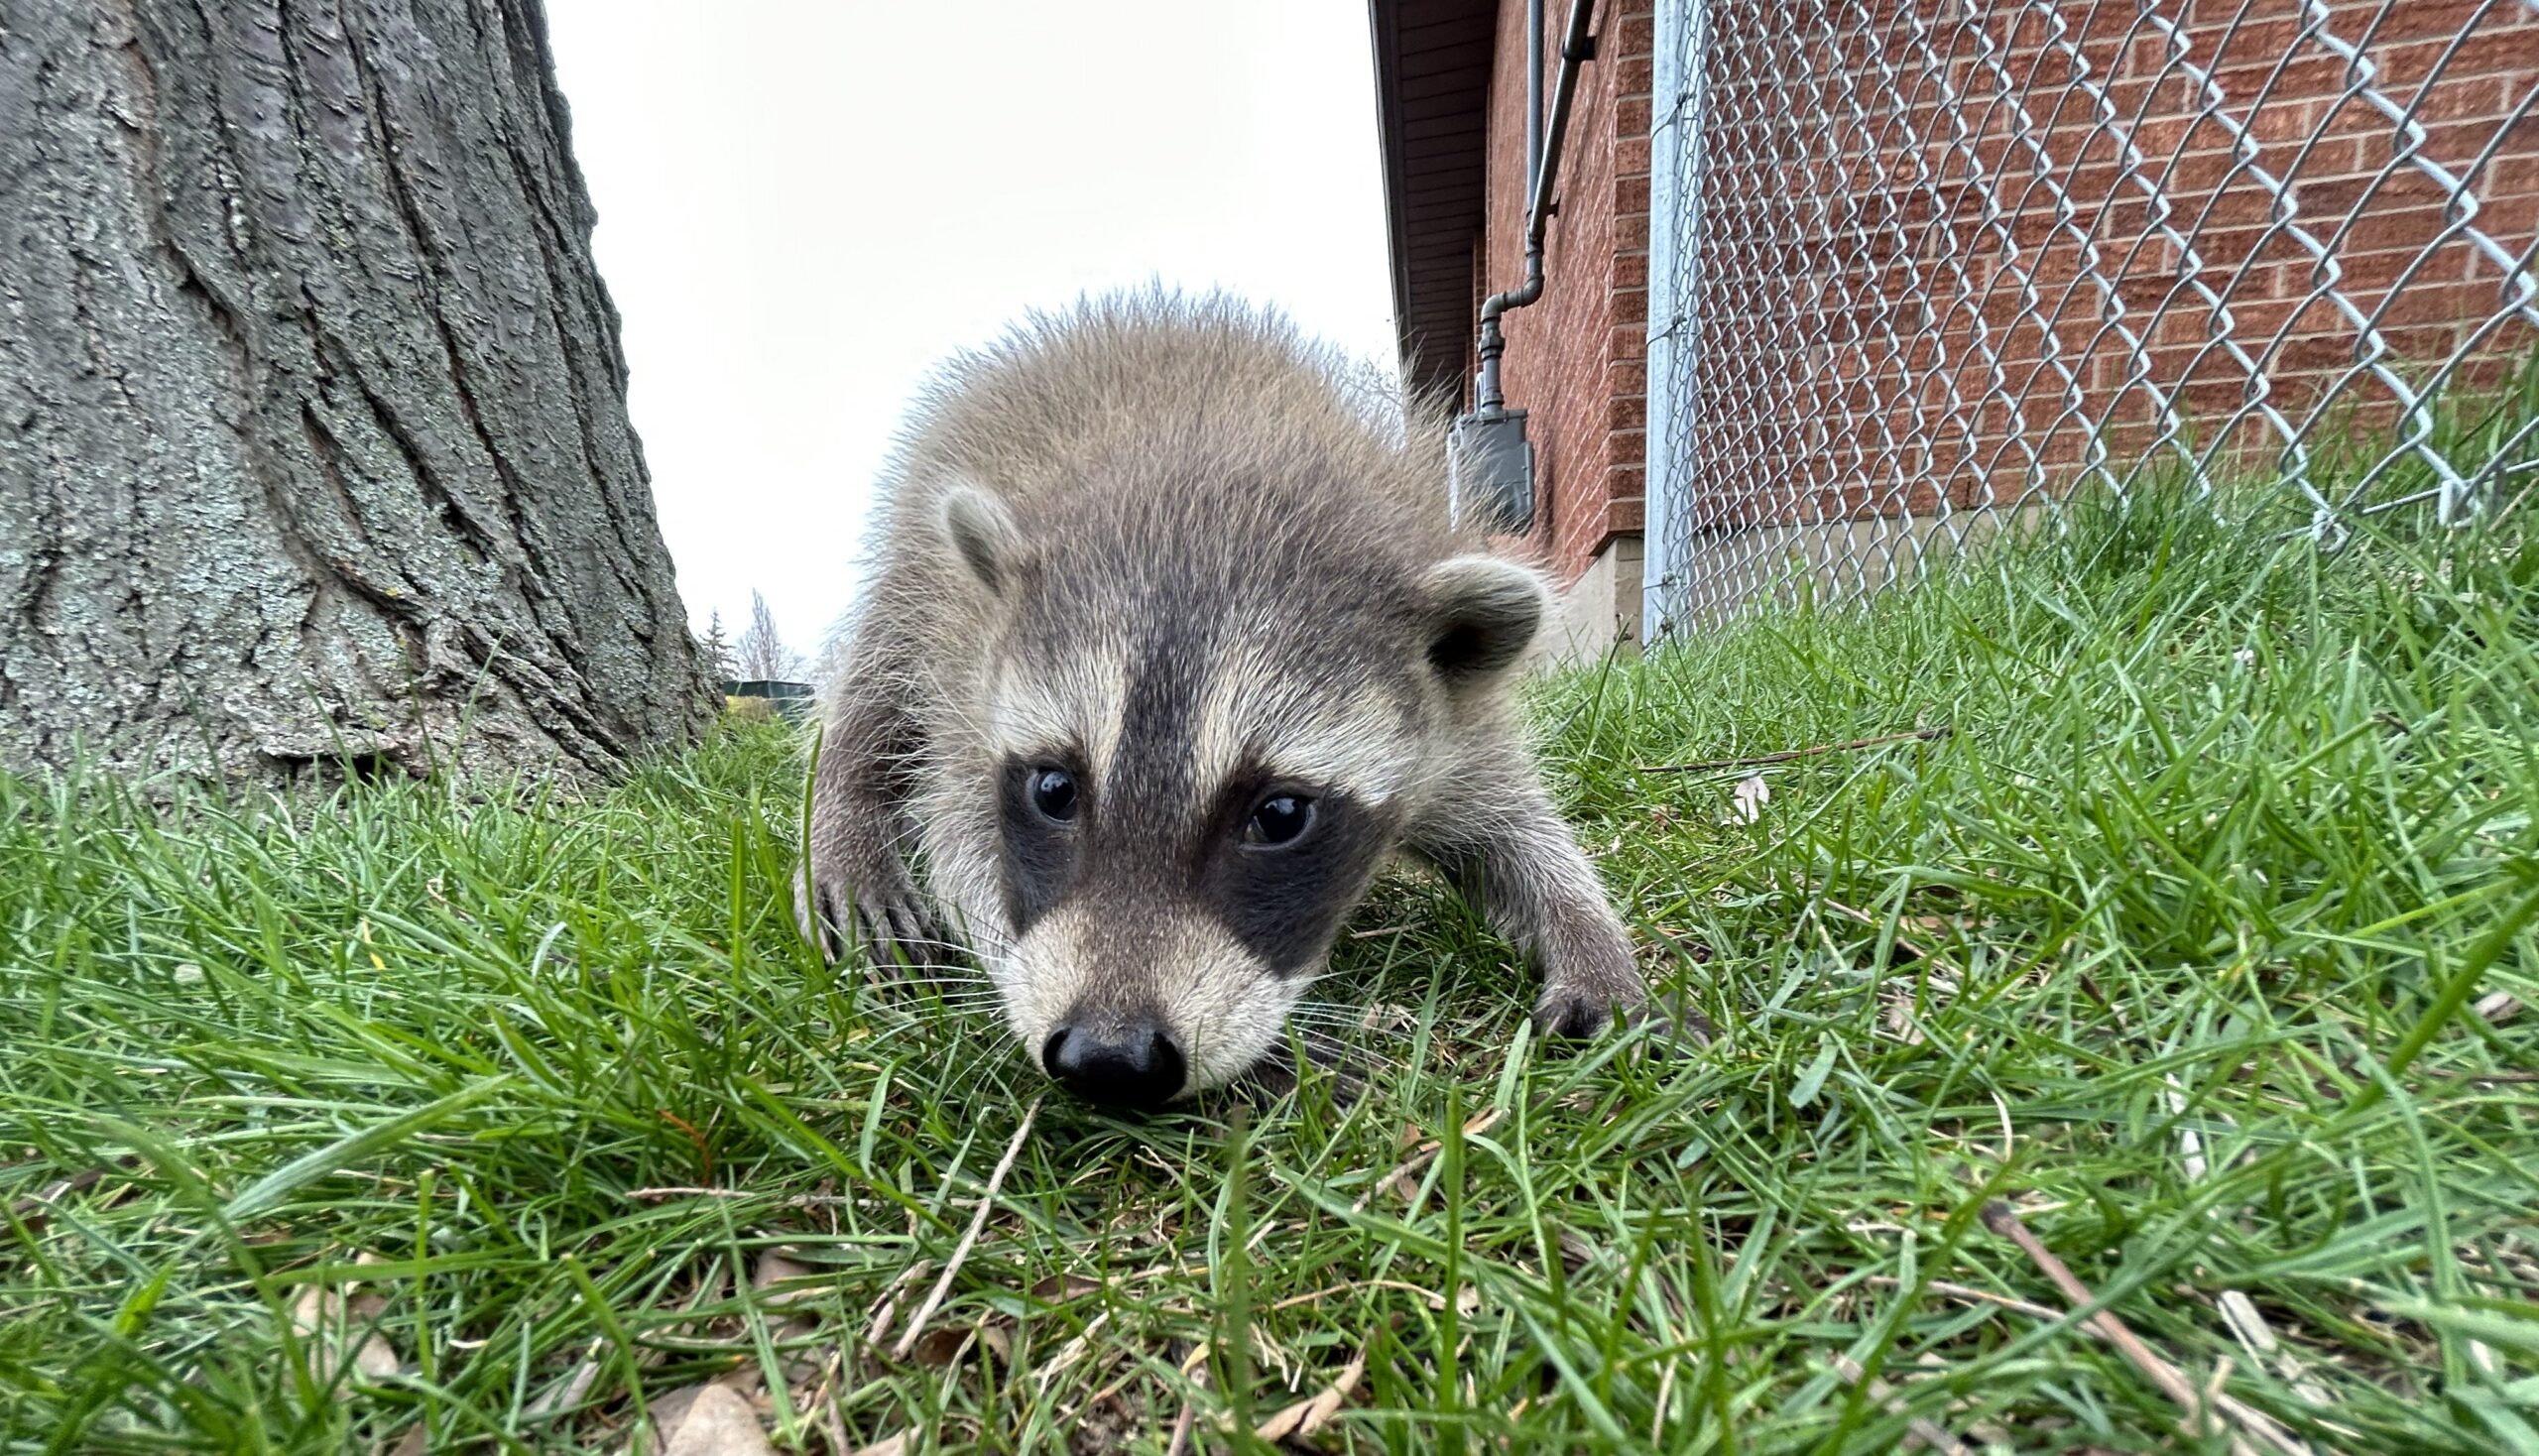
pixel 1196 1372
pixel 1792 755
pixel 887 1309
pixel 788 1200
pixel 1181 1431
pixel 2481 1079
pixel 2002 1219
pixel 961 1251
pixel 1929 1432
pixel 34 1206
pixel 1430 1297
pixel 2248 1325
pixel 1974 1295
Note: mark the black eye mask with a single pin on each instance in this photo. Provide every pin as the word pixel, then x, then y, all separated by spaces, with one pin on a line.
pixel 1278 867
pixel 1282 899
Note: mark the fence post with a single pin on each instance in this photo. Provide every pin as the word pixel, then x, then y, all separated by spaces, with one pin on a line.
pixel 1674 188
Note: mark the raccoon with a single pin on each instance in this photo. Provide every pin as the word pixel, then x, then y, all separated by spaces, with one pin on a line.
pixel 1167 642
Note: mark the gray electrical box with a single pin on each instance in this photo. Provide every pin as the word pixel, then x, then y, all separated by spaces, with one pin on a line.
pixel 1490 467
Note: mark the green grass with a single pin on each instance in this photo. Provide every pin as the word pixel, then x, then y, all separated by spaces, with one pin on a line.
pixel 2175 945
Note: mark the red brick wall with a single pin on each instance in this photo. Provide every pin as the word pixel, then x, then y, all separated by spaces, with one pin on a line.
pixel 1574 357
pixel 1843 201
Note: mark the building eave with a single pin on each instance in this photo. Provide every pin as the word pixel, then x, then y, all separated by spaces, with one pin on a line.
pixel 1432 100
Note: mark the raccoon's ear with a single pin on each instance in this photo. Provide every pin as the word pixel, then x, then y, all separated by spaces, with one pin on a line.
pixel 1482 613
pixel 982 533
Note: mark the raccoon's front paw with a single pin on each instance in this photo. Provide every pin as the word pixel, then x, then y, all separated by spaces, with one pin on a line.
pixel 1570 1012
pixel 1573 1009
pixel 879 913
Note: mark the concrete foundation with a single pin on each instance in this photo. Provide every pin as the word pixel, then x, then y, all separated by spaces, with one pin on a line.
pixel 1597 613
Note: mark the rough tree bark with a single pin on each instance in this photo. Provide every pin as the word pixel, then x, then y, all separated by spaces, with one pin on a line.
pixel 313 430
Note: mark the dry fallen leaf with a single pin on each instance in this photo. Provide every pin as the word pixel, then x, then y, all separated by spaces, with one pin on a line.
pixel 1746 801
pixel 886 1446
pixel 937 1348
pixel 774 1269
pixel 1576 1251
pixel 1059 1288
pixel 994 1340
pixel 1384 1016
pixel 1899 1018
pixel 718 1422
pixel 1308 1417
pixel 329 1322
pixel 569 1393
pixel 1403 1181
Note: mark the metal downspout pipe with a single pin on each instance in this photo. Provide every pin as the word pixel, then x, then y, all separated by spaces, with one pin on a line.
pixel 1542 148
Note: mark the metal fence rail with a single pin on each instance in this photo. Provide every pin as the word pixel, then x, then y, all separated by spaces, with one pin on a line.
pixel 1920 268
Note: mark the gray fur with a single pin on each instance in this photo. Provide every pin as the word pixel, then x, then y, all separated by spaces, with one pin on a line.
pixel 1166 546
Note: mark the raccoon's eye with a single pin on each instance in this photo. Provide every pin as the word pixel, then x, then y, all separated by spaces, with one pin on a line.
pixel 1053 794
pixel 1280 819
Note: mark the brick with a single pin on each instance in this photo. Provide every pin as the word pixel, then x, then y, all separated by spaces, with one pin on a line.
pixel 1630 37
pixel 2382 227
pixel 2438 21
pixel 2206 170
pixel 2241 205
pixel 2454 97
pixel 2340 157
pixel 2157 138
pixel 2429 299
pixel 2257 42
pixel 1628 307
pixel 2497 50
pixel 2312 72
pixel 2283 121
pixel 2456 144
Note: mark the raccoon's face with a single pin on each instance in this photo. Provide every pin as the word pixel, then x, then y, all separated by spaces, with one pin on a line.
pixel 1174 867
pixel 1190 796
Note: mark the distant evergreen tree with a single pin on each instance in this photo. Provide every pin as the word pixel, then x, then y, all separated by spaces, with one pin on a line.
pixel 718 649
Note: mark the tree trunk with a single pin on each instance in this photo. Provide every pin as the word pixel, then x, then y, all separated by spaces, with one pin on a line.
pixel 312 415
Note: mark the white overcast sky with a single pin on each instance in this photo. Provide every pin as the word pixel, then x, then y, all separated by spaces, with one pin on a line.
pixel 803 204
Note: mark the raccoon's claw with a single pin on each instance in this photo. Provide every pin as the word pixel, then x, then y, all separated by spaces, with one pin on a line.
pixel 1572 1012
pixel 815 917
pixel 898 930
pixel 890 928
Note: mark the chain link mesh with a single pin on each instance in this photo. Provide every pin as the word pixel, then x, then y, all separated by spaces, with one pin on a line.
pixel 1921 269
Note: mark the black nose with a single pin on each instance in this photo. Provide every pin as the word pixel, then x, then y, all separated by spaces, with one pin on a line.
pixel 1137 1065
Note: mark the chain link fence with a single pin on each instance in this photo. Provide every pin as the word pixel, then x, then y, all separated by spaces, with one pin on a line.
pixel 1922 269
